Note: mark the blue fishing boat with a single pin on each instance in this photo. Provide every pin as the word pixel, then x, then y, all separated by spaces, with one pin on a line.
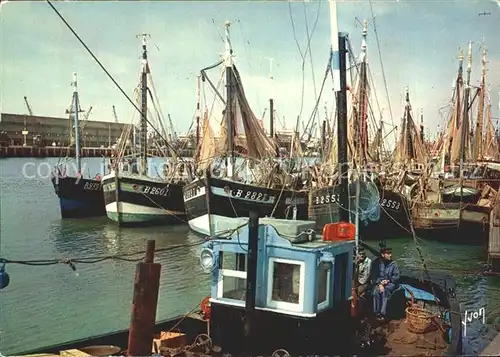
pixel 279 293
pixel 79 196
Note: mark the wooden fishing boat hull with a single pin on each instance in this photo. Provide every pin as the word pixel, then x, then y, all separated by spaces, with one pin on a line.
pixel 133 200
pixel 307 335
pixel 217 205
pixel 451 222
pixel 79 197
pixel 393 221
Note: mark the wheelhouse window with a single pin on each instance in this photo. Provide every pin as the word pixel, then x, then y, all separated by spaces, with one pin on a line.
pixel 323 282
pixel 232 276
pixel 285 284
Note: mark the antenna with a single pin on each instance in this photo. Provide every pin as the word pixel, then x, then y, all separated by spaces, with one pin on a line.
pixel 144 36
pixel 270 67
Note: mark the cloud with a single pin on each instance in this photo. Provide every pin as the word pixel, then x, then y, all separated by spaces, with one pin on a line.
pixel 418 45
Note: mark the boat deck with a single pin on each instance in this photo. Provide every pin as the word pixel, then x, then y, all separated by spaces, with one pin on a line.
pixel 402 342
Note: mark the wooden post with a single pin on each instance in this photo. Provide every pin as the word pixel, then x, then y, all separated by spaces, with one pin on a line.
pixel 494 239
pixel 144 305
pixel 253 245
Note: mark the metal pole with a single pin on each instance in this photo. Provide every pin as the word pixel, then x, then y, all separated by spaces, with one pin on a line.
pixel 342 129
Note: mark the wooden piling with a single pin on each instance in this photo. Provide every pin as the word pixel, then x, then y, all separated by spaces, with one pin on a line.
pixel 252 258
pixel 144 305
pixel 494 239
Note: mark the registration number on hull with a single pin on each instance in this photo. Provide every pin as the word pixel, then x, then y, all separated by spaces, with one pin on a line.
pixel 156 191
pixel 324 199
pixel 250 195
pixel 391 204
pixel 92 186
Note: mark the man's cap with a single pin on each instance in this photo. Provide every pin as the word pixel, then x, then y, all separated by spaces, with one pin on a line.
pixel 385 250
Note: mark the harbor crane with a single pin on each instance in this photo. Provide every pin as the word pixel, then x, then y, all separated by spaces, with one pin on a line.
pixel 114 114
pixel 88 113
pixel 30 111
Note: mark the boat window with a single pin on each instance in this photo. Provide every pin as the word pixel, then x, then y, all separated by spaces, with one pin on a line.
pixel 323 283
pixel 286 284
pixel 233 261
pixel 234 287
pixel 232 276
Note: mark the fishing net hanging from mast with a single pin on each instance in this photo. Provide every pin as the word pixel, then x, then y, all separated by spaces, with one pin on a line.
pixel 491 142
pixel 254 139
pixel 208 145
pixel 410 145
pixel 368 207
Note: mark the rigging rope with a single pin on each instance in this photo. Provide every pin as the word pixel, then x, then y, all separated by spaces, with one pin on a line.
pixel 303 56
pixel 96 259
pixel 144 116
pixel 381 62
pixel 309 36
pixel 318 98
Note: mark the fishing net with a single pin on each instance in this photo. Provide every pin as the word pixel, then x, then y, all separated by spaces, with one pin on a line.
pixel 258 144
pixel 369 206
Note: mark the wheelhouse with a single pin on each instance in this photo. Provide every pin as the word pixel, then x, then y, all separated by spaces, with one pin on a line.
pixel 302 285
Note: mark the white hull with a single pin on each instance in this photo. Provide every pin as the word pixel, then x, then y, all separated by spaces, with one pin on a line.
pixel 132 213
pixel 220 224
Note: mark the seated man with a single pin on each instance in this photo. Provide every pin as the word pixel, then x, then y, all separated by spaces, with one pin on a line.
pixel 386 279
pixel 364 268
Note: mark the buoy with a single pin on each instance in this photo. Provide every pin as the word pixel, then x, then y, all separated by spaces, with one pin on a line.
pixel 4 277
pixel 205 308
pixel 354 303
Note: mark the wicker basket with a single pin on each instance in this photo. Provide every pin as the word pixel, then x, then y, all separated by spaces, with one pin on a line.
pixel 419 320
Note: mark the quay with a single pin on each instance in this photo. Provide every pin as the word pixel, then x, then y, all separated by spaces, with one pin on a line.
pixel 51 151
pixel 493 348
pixel 59 151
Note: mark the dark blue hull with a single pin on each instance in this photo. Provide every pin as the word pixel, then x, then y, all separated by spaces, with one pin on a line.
pixel 79 197
pixel 392 220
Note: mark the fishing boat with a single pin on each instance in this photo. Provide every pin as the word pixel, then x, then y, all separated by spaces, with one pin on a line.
pixel 132 196
pixel 288 295
pixel 384 209
pixel 454 202
pixel 219 197
pixel 79 196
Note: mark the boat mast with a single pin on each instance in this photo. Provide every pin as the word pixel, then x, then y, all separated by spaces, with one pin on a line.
pixel 271 106
pixel 77 126
pixel 144 107
pixel 271 100
pixel 465 116
pixel 229 103
pixel 338 67
pixel 409 143
pixel 480 114
pixel 198 114
pixel 362 111
pixel 455 102
pixel 422 135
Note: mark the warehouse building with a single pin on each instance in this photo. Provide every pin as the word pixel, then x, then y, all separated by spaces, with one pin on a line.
pixel 48 131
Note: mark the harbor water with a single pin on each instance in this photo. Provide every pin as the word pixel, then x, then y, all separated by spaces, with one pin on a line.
pixel 45 305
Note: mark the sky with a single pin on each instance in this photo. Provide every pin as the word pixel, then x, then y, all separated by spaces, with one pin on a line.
pixel 419 45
